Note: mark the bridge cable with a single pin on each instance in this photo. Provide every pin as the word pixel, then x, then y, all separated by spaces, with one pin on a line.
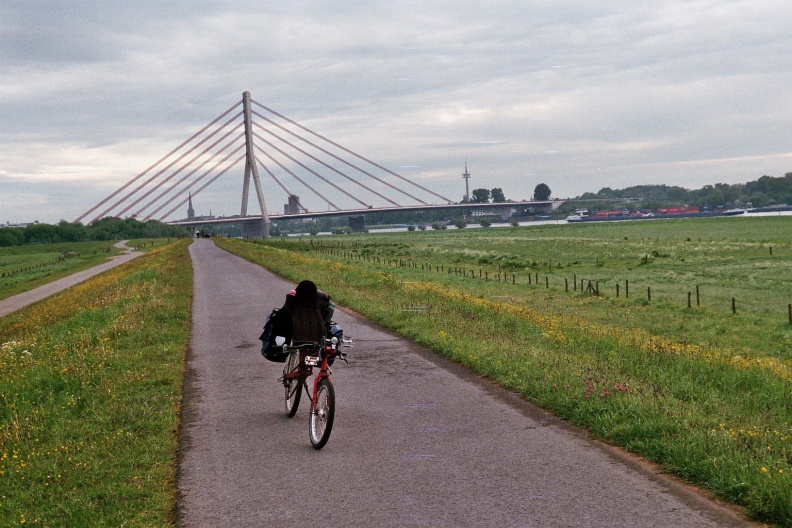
pixel 133 180
pixel 301 164
pixel 204 186
pixel 198 179
pixel 183 178
pixel 286 169
pixel 342 160
pixel 176 172
pixel 295 147
pixel 351 152
pixel 171 164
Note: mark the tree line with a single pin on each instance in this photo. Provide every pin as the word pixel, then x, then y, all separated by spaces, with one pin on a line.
pixel 104 229
pixel 766 191
pixel 541 193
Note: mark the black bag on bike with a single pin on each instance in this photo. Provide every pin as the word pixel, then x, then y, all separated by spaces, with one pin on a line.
pixel 278 324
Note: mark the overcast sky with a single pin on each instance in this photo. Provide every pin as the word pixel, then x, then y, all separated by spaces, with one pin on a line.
pixel 579 95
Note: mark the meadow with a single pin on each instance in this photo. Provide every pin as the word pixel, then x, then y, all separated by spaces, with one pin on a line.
pixel 23 268
pixel 90 394
pixel 699 384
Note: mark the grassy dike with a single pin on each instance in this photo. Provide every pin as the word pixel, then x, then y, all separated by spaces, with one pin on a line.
pixel 90 393
pixel 23 268
pixel 701 412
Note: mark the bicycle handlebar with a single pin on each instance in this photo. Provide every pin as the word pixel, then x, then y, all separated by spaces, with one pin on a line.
pixel 301 346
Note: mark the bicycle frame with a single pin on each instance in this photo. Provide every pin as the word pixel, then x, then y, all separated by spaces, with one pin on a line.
pixel 324 372
pixel 308 362
pixel 300 364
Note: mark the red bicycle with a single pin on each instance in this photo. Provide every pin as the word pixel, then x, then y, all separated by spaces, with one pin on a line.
pixel 301 360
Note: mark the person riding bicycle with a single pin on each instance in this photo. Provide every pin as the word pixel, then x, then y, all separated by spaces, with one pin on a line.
pixel 311 313
pixel 310 349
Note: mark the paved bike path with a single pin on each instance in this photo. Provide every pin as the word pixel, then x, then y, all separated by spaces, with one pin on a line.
pixel 22 300
pixel 416 440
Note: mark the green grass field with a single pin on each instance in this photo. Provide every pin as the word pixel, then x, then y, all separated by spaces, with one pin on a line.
pixel 748 260
pixel 90 392
pixel 702 391
pixel 23 268
pixel 90 379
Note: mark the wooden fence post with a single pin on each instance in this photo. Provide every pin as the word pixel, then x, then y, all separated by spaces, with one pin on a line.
pixel 649 293
pixel 734 305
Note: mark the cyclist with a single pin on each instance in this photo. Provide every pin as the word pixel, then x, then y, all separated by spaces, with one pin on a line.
pixel 311 313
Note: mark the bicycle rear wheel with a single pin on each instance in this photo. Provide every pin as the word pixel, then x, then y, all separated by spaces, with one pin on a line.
pixel 321 422
pixel 293 385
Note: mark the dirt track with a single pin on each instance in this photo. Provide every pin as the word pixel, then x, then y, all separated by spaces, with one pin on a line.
pixel 417 440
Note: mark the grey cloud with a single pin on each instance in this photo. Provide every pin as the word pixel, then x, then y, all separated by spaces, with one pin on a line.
pixel 623 92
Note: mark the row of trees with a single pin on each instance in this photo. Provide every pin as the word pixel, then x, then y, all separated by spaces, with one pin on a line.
pixel 541 193
pixel 104 229
pixel 484 195
pixel 765 191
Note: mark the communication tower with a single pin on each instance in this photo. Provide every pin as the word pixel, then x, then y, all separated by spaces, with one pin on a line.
pixel 466 176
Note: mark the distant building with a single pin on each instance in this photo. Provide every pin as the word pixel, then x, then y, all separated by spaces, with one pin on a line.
pixel 24 224
pixel 293 207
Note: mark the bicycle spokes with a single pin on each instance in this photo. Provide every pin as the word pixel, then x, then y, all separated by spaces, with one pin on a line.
pixel 321 420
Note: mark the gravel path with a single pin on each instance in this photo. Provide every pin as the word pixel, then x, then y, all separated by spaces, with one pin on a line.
pixel 417 440
pixel 17 302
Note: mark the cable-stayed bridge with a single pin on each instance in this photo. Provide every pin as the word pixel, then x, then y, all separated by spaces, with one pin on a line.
pixel 296 160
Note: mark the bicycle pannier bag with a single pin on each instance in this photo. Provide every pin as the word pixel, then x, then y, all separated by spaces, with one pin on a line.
pixel 278 324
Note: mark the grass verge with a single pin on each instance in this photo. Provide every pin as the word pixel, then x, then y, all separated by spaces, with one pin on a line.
pixel 90 392
pixel 717 420
pixel 23 268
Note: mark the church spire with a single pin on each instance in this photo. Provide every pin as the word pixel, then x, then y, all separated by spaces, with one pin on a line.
pixel 190 210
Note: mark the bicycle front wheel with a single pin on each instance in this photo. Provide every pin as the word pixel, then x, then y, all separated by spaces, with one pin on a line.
pixel 293 384
pixel 321 422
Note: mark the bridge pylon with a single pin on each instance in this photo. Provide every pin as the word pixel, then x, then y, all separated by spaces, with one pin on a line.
pixel 251 172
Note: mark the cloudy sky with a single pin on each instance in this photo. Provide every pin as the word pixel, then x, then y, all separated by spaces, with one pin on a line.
pixel 579 95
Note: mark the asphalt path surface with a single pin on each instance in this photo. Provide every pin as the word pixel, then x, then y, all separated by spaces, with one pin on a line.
pixel 17 302
pixel 417 441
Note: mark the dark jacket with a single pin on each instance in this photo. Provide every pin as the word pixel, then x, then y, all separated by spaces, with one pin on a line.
pixel 307 320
